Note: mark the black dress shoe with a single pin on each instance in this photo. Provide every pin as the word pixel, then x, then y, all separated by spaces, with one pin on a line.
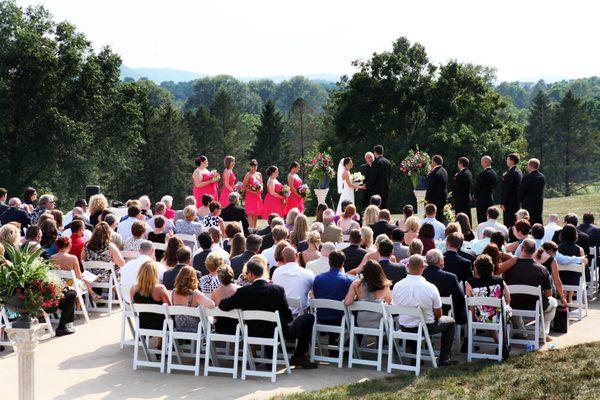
pixel 64 331
pixel 303 362
pixel 447 363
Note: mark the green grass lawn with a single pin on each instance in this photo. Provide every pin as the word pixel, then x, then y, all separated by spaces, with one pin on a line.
pixel 561 374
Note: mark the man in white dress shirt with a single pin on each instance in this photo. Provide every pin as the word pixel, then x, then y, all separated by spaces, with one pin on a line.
pixel 492 215
pixel 159 209
pixel 295 280
pixel 130 269
pixel 321 264
pixel 440 229
pixel 279 233
pixel 551 227
pixel 134 214
pixel 413 291
pixel 215 234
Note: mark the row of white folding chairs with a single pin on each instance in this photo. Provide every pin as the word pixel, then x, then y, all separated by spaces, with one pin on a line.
pixel 111 286
pixel 593 286
pixel 580 301
pixel 169 336
pixel 80 290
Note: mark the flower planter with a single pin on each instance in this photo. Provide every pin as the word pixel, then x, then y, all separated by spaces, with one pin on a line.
pixel 321 195
pixel 17 305
pixel 420 196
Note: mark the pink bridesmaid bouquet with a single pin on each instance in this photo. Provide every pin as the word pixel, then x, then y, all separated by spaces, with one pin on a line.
pixel 256 188
pixel 238 187
pixel 216 176
pixel 285 191
pixel 303 190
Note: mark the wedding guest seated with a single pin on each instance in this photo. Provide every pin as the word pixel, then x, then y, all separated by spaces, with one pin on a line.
pixel 345 203
pixel 262 295
pixel 214 218
pixel 58 216
pixel 3 196
pixel 204 209
pixel 347 221
pixel 226 289
pixel 100 248
pixel 158 235
pixel 205 242
pixel 551 227
pixel 238 245
pixel 375 200
pixel 413 225
pixel 9 236
pixel 170 257
pixel 427 236
pixel 186 293
pixel 68 262
pixel 414 290
pixel 295 280
pixel 367 242
pixel 234 212
pixel 15 213
pixel 169 214
pixel 477 246
pixel 115 237
pixel 160 210
pixel 242 281
pixel 279 234
pixel 130 270
pixel 400 250
pixel 98 204
pixel 485 284
pixel 32 239
pixel 407 212
pixel 569 247
pixel 521 214
pixel 453 262
pixel 527 272
pixel 184 258
pixel 371 215
pixel 49 235
pixel 321 264
pixel 372 255
pixel 76 211
pixel 545 256
pixel 331 232
pixel 299 235
pixel 208 283
pixel 147 290
pixel 312 252
pixel 268 240
pixel 416 247
pixel 446 283
pixel 588 227
pixel 230 231
pixel 267 229
pixel 332 284
pixel 189 201
pixel 502 261
pixel 138 231
pixel 492 215
pixel 520 231
pixel 77 242
pixel 373 287
pixel 452 227
pixel 354 254
pixel 465 226
pixel 290 219
pixel 145 205
pixel 46 204
pixel 253 243
pixel 394 272
pixel 383 225
pixel 66 305
pixel 583 239
pixel 317 227
pixel 438 227
pixel 30 199
pixel 188 225
pixel 217 238
pixel 134 214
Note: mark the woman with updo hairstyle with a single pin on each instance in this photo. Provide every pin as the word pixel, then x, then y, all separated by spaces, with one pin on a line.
pixel 226 289
pixel 68 262
pixel 203 210
pixel 204 180
pixel 253 186
pixel 228 180
pixel 407 212
pixel 170 256
pixel 274 201
pixel 294 182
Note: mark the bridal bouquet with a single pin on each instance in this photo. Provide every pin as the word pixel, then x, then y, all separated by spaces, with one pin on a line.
pixel 415 165
pixel 319 166
pixel 357 178
pixel 216 177
pixel 238 187
pixel 285 191
pixel 303 190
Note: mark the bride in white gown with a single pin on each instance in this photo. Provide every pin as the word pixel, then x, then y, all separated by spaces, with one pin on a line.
pixel 345 186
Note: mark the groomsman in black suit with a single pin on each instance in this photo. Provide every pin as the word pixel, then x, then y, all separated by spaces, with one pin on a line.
pixel 511 180
pixel 366 169
pixel 531 191
pixel 462 188
pixel 381 172
pixel 437 186
pixel 484 188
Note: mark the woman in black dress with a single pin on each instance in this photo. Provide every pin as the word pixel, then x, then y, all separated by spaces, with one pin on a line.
pixel 545 256
pixel 568 247
pixel 147 290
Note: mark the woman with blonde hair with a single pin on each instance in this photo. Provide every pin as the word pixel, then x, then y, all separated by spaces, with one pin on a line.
pixel 371 215
pixel 208 283
pixel 367 238
pixel 413 224
pixel 186 293
pixel 415 247
pixel 299 234
pixel 147 290
pixel 242 281
pixel 97 204
pixel 9 235
pixel 290 219
pixel 312 252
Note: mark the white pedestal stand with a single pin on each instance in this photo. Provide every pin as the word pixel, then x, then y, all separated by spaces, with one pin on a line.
pixel 321 195
pixel 24 341
pixel 420 195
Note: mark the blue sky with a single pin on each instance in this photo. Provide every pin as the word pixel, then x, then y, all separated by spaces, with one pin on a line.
pixel 521 39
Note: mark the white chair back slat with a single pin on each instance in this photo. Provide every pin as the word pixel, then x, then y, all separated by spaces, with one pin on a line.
pixel 366 306
pixel 98 265
pixel 160 246
pixel 130 254
pixel 483 301
pixel 571 268
pixel 327 304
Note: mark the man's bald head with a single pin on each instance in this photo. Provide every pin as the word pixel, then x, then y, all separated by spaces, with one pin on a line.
pixel 486 161
pixel 289 254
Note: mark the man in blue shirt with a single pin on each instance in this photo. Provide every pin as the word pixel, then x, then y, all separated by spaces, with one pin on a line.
pixel 332 285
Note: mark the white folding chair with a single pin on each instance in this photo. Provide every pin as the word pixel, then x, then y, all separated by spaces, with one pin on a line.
pixel 160 246
pixel 581 299
pixel 127 319
pixel 144 335
pixel 275 342
pixel 473 326
pixel 447 300
pixel 194 337
pixel 118 211
pixel 536 316
pixel 395 334
pixel 355 330
pixel 295 306
pixel 594 283
pixel 69 276
pixel 189 240
pixel 341 330
pixel 4 325
pixel 211 355
pixel 130 254
pixel 109 286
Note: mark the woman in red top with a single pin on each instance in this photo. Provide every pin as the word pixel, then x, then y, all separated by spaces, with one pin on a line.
pixel 274 200
pixel 204 181
pixel 77 242
pixel 253 184
pixel 294 182
pixel 228 181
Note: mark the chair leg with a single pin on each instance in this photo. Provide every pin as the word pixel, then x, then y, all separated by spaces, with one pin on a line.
pixel 208 355
pixel 170 354
pixel 379 351
pixel 274 365
pixel 341 345
pixel 122 338
pixel 136 350
pixel 236 355
pixel 418 355
pixel 470 344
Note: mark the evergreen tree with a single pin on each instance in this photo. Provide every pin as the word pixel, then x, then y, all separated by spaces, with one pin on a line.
pixel 539 125
pixel 269 148
pixel 227 135
pixel 302 127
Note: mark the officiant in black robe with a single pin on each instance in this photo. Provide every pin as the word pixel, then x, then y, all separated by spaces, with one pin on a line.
pixel 381 172
pixel 366 169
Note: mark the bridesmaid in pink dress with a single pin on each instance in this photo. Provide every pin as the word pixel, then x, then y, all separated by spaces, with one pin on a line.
pixel 274 202
pixel 203 180
pixel 253 198
pixel 228 181
pixel 294 182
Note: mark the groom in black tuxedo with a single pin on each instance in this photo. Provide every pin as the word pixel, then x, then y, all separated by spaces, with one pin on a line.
pixel 366 169
pixel 381 172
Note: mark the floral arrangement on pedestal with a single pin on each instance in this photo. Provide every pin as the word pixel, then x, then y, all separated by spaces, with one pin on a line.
pixel 319 167
pixel 415 165
pixel 26 287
